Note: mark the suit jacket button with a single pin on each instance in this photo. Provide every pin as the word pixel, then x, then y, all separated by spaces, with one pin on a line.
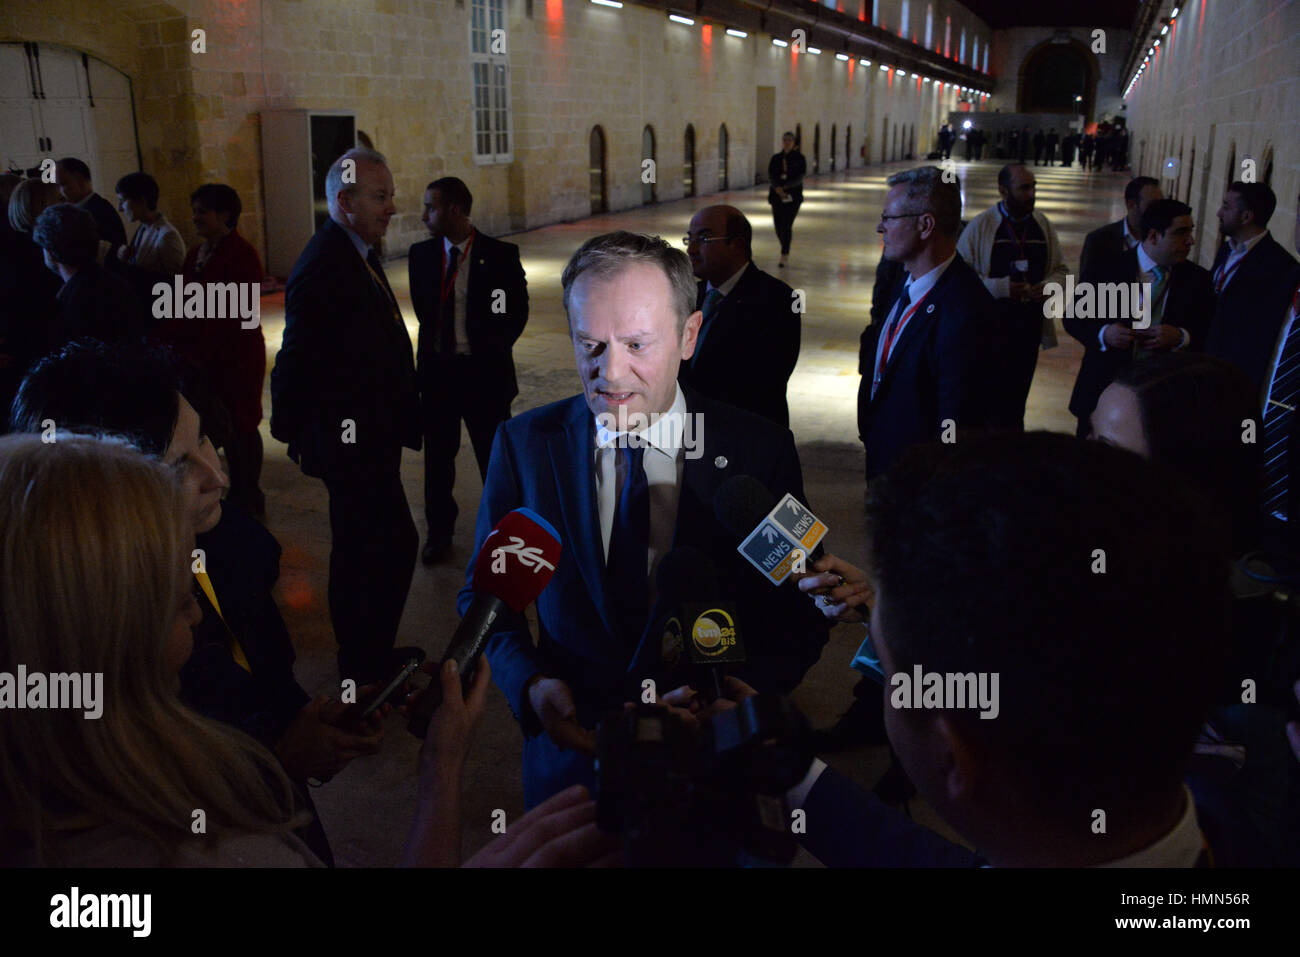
pixel 720 462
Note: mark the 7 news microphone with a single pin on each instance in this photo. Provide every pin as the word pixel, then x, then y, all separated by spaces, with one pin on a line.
pixel 743 504
pixel 699 633
pixel 513 566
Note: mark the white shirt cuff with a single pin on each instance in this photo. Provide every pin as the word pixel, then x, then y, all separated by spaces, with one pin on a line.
pixel 799 793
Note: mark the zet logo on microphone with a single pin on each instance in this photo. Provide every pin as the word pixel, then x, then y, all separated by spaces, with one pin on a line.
pixel 714 632
pixel 530 556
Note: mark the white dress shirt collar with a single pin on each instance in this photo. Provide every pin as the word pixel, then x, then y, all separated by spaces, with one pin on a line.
pixel 730 284
pixel 1181 847
pixel 1129 239
pixel 1145 262
pixel 920 286
pixel 1239 249
pixel 664 432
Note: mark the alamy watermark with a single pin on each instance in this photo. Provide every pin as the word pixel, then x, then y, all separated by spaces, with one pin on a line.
pixel 950 691
pixel 211 300
pixel 684 430
pixel 75 691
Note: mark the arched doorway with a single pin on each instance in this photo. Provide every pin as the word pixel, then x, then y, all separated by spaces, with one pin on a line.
pixel 596 166
pixel 1053 74
pixel 834 151
pixel 688 161
pixel 848 147
pixel 84 109
pixel 817 148
pixel 884 141
pixel 648 173
pixel 722 158
pixel 798 136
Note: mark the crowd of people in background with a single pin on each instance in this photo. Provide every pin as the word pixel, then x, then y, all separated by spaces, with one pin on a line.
pixel 1121 689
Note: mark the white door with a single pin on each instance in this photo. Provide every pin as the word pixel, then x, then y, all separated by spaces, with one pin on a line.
pixel 20 127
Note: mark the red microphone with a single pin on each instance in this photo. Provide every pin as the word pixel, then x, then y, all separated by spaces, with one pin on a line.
pixel 513 566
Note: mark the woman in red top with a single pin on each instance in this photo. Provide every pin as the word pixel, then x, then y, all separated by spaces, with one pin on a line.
pixel 232 359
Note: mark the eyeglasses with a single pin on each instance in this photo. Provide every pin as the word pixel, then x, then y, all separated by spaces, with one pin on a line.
pixel 703 240
pixel 885 219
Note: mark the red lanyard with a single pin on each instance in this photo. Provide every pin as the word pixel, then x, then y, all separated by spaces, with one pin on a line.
pixel 892 335
pixel 449 278
pixel 1226 274
pixel 1019 240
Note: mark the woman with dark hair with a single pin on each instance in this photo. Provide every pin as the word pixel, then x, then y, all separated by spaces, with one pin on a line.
pixel 231 358
pixel 156 247
pixel 785 172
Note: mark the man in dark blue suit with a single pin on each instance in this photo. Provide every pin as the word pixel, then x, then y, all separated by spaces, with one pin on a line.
pixel 925 368
pixel 621 502
pixel 1177 317
pixel 1253 277
pixel 344 399
pixel 471 300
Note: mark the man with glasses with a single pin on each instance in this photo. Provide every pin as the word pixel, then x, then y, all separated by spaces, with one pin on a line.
pixel 923 366
pixel 749 339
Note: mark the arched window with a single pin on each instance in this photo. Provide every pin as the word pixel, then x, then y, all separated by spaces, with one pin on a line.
pixel 798 136
pixel 722 158
pixel 596 165
pixel 848 147
pixel 688 161
pixel 833 149
pixel 817 148
pixel 650 172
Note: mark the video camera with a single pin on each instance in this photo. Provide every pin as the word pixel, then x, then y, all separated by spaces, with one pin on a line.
pixel 711 795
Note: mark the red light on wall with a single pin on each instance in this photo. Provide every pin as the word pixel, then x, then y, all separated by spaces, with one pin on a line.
pixel 555 11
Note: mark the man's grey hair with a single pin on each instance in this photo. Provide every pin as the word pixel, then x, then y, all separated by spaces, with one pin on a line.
pixel 927 192
pixel 334 178
pixel 602 256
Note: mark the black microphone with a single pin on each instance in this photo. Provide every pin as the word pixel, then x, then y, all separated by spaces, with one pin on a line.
pixel 513 566
pixel 698 633
pixel 743 504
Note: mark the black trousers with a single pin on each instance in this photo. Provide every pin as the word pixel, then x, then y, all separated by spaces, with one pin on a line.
pixel 1022 336
pixel 372 557
pixel 456 389
pixel 783 215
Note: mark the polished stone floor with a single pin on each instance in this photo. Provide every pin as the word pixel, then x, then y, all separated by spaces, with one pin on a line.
pixel 366 809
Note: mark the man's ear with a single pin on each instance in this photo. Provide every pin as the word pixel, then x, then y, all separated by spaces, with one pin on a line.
pixel 691 333
pixel 960 759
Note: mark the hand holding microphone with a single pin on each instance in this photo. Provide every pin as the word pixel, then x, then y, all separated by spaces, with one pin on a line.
pixel 513 566
pixel 838 588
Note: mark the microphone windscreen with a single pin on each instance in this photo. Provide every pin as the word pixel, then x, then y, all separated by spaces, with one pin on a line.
pixel 741 502
pixel 517 559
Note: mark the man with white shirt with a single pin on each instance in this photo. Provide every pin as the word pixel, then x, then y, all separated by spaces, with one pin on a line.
pixel 749 336
pixel 1117 237
pixel 1078 757
pixel 1175 316
pixel 925 369
pixel 471 300
pixel 343 397
pixel 612 471
pixel 1250 271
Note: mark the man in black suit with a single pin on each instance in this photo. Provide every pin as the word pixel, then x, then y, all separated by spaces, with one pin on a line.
pixel 344 399
pixel 1117 329
pixel 93 302
pixel 471 300
pixel 924 368
pixel 1049 147
pixel 749 338
pixel 1252 277
pixel 1068 733
pixel 73 179
pixel 612 471
pixel 1040 142
pixel 1119 237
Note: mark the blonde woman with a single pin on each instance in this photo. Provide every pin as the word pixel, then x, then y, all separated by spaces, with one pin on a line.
pixel 95 578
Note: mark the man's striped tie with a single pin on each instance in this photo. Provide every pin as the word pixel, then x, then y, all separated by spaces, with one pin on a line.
pixel 1279 414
